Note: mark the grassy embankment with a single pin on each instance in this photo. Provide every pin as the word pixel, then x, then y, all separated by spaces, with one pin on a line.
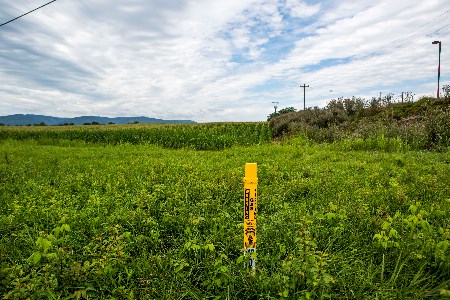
pixel 424 124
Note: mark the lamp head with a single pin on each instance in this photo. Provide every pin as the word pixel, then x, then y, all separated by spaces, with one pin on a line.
pixel 436 42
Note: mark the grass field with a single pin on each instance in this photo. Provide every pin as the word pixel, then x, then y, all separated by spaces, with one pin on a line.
pixel 127 220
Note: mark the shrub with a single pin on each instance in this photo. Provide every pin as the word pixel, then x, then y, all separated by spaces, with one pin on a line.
pixel 437 124
pixel 424 124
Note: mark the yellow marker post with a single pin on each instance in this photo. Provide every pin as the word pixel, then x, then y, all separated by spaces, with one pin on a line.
pixel 250 209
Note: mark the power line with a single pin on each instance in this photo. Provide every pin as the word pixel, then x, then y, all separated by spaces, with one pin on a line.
pixel 412 34
pixel 27 13
pixel 375 56
pixel 389 48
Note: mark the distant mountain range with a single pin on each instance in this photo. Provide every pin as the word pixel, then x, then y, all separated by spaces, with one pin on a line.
pixel 23 120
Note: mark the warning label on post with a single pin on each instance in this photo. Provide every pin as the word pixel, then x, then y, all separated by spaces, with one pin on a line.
pixel 250 206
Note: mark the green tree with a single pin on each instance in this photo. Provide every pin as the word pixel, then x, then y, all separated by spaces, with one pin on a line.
pixel 281 112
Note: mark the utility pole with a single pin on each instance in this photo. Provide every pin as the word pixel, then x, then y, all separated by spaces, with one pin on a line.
pixel 304 86
pixel 439 65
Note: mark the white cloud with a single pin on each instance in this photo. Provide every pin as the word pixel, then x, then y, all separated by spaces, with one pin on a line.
pixel 212 60
pixel 300 9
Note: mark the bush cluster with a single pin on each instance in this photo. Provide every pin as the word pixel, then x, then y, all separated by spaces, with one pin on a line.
pixel 424 124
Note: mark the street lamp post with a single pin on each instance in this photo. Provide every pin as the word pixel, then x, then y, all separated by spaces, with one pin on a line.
pixel 439 65
pixel 275 105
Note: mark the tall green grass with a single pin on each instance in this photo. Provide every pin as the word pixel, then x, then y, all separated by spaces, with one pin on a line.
pixel 141 222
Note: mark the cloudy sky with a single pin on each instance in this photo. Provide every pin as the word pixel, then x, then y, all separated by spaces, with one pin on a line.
pixel 215 60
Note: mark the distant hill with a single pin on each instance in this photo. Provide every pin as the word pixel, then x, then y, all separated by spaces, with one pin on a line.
pixel 23 120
